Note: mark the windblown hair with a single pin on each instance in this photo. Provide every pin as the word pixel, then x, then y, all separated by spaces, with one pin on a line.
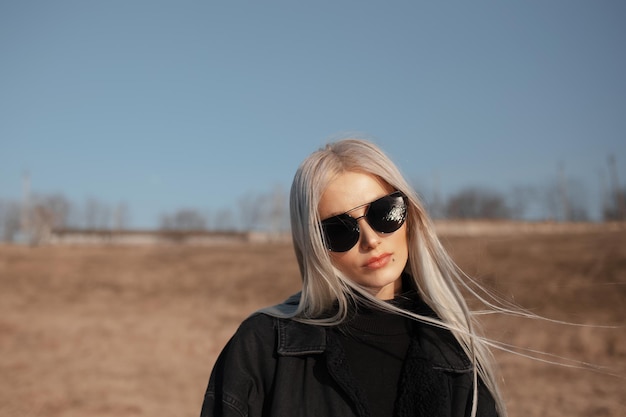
pixel 434 274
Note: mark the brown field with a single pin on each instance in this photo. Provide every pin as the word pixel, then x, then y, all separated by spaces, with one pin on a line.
pixel 134 330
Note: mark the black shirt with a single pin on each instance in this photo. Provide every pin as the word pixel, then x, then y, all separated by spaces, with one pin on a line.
pixel 375 344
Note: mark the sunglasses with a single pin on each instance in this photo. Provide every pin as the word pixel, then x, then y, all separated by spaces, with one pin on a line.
pixel 385 215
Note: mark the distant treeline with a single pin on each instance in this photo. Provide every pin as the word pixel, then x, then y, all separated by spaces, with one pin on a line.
pixel 37 215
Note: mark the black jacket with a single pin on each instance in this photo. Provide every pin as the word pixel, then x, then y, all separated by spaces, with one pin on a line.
pixel 282 368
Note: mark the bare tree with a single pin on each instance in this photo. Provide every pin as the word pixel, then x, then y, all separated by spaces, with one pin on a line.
pixel 524 201
pixel 10 220
pixel 42 223
pixel 612 210
pixel 436 206
pixel 251 209
pixel 573 207
pixel 477 203
pixel 97 215
pixel 268 211
pixel 431 197
pixel 40 214
pixel 58 209
pixel 278 210
pixel 224 220
pixel 185 220
pixel 615 207
pixel 551 202
pixel 121 217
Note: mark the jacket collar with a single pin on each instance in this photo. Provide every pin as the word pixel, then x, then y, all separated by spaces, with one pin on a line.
pixel 298 339
pixel 436 345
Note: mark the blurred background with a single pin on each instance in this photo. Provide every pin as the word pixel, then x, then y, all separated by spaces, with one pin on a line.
pixel 147 149
pixel 195 115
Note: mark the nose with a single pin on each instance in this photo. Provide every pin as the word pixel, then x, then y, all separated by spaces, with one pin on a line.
pixel 368 238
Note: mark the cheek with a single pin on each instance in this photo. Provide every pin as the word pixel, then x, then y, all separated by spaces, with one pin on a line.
pixel 402 242
pixel 344 262
pixel 401 236
pixel 339 259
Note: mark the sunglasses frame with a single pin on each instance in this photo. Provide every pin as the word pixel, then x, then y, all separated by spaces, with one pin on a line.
pixel 352 226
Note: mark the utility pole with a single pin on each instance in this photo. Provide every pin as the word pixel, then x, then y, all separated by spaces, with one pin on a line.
pixel 563 191
pixel 606 204
pixel 25 209
pixel 618 196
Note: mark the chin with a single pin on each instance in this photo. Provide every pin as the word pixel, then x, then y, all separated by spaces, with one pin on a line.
pixel 378 283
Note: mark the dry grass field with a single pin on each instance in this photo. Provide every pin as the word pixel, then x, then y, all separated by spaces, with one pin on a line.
pixel 134 330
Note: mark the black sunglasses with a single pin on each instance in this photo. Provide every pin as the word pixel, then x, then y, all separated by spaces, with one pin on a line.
pixel 385 215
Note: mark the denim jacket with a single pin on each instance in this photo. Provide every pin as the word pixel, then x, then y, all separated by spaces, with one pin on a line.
pixel 282 368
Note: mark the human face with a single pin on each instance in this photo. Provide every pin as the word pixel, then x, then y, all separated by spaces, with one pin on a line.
pixel 377 260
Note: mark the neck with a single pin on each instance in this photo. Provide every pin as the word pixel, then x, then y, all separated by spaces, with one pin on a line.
pixel 389 291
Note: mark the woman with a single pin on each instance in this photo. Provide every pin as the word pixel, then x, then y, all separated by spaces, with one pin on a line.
pixel 379 328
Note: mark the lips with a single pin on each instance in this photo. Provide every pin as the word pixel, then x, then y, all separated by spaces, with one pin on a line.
pixel 378 261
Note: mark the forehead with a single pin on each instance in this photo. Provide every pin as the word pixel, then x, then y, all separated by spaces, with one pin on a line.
pixel 349 190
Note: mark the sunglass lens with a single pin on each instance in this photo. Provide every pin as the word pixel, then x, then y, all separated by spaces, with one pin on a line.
pixel 387 214
pixel 341 232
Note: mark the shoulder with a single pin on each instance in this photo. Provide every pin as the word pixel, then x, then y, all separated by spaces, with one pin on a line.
pixel 267 321
pixel 273 329
pixel 256 325
pixel 254 338
pixel 285 309
pixel 295 337
pixel 441 348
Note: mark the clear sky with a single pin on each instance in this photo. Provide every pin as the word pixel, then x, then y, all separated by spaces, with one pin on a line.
pixel 171 104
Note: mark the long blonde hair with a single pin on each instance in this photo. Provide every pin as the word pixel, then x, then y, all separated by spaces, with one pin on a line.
pixel 435 275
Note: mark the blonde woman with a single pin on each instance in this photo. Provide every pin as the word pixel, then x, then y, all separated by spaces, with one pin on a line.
pixel 379 327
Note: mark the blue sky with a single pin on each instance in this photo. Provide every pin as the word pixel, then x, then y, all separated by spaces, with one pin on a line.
pixel 164 105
